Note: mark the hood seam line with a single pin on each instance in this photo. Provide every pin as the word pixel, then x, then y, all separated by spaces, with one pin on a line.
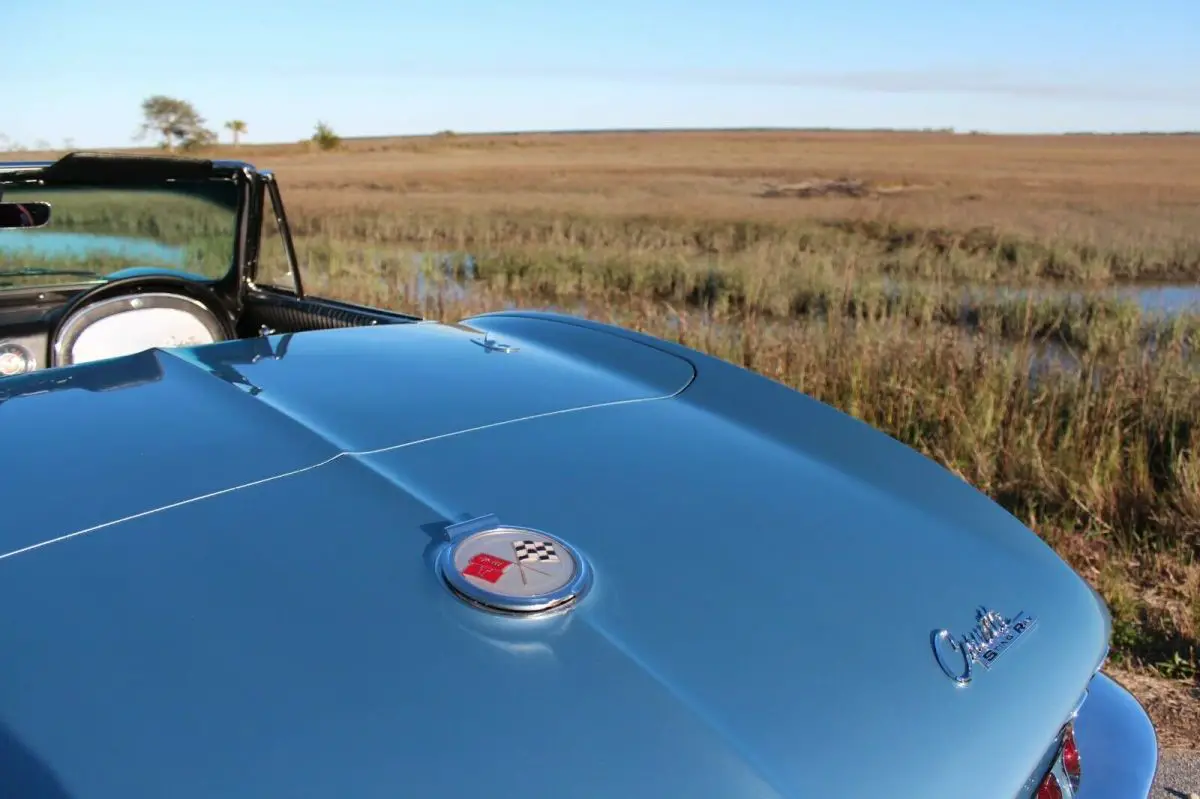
pixel 340 454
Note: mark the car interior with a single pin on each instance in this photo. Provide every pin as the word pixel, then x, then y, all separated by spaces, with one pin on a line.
pixel 53 316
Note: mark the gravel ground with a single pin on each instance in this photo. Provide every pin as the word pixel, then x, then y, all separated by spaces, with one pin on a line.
pixel 1178 775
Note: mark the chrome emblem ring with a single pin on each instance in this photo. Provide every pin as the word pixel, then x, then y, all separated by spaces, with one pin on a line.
pixel 510 569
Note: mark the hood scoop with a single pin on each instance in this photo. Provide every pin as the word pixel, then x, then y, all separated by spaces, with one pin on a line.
pixel 512 570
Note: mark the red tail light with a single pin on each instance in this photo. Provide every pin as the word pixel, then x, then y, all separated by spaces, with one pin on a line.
pixel 1070 758
pixel 1067 762
pixel 1048 789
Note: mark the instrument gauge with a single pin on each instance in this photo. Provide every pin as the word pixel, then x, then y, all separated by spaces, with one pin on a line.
pixel 15 360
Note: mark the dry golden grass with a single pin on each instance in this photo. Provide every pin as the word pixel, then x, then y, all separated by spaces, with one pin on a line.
pixel 1091 188
pixel 1125 207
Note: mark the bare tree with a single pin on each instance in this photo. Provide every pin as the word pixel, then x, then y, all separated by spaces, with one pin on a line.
pixel 176 121
pixel 236 127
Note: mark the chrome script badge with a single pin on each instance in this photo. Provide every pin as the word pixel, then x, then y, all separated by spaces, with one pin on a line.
pixel 990 638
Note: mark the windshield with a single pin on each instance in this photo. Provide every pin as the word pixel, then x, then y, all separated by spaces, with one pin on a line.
pixel 95 232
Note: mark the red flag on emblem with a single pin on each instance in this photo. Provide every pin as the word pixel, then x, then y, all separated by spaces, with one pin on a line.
pixel 487 567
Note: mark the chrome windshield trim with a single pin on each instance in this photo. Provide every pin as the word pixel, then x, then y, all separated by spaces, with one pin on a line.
pixel 7 165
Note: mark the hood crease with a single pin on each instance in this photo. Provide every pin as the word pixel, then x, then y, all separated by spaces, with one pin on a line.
pixel 694 707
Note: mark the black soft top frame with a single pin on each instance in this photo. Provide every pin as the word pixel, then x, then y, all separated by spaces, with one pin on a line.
pixel 99 169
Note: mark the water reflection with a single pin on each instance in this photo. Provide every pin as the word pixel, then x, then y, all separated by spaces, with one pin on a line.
pixel 453 273
pixel 1161 301
pixel 447 276
pixel 56 245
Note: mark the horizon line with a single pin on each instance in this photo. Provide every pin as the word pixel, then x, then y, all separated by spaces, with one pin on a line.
pixel 944 131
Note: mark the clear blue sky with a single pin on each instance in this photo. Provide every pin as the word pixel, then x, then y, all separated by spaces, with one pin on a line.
pixel 374 67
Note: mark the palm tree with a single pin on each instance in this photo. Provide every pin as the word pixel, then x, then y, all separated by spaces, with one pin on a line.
pixel 237 127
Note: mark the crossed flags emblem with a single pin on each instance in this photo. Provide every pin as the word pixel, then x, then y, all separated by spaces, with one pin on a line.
pixel 525 553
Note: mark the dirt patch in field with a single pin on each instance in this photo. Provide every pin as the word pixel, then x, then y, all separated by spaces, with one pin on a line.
pixel 833 187
pixel 1173 706
pixel 818 187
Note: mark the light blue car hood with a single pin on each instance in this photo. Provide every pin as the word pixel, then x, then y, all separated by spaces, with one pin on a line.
pixel 221 583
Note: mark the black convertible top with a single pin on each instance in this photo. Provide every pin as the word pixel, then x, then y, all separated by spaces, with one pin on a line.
pixel 216 181
pixel 88 168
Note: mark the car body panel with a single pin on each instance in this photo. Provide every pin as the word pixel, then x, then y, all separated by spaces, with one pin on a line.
pixel 387 385
pixel 182 434
pixel 289 664
pixel 768 575
pixel 1117 743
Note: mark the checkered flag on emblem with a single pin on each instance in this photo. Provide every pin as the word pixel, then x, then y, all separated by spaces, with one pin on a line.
pixel 535 551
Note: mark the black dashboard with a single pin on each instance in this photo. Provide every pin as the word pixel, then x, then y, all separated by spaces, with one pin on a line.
pixel 26 320
pixel 52 327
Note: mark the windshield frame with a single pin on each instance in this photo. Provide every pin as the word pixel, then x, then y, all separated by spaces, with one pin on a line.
pixel 116 172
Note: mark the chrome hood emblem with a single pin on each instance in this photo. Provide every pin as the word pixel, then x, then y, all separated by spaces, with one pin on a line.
pixel 491 345
pixel 991 637
pixel 510 569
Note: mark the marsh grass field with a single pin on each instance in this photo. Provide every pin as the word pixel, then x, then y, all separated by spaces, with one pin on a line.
pixel 1025 310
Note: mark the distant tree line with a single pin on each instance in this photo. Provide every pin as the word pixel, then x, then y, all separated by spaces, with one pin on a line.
pixel 7 145
pixel 179 126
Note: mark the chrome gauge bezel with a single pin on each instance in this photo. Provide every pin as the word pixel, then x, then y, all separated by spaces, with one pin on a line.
pixel 10 348
pixel 82 318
